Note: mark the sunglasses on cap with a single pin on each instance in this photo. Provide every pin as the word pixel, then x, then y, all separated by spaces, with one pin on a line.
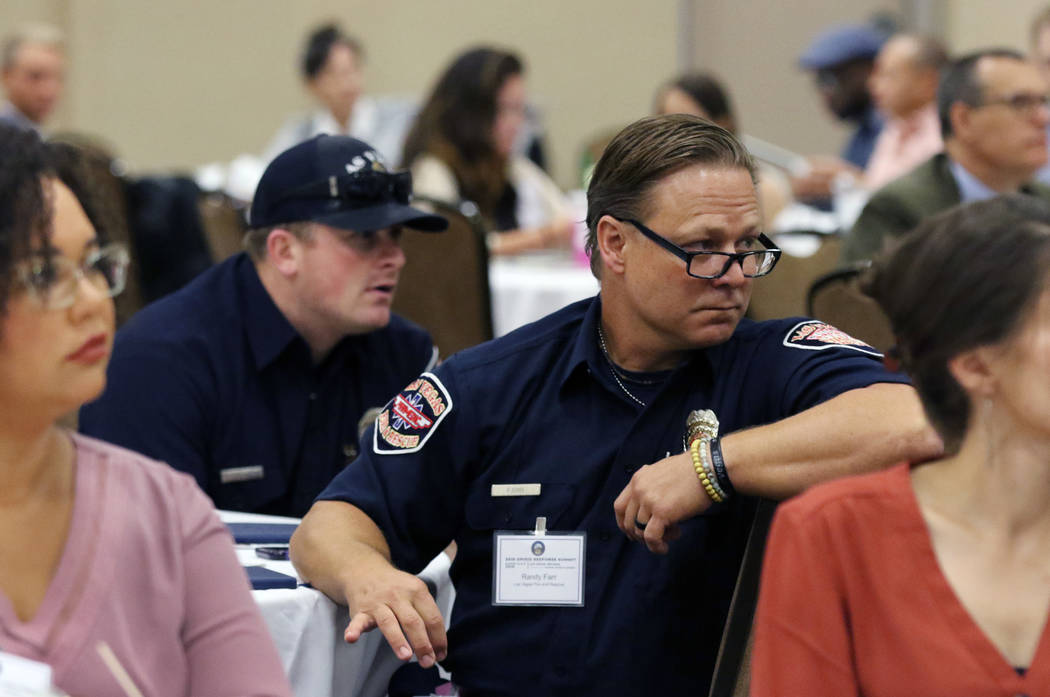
pixel 364 187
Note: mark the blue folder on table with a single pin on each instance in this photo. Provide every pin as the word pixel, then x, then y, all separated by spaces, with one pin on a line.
pixel 262 533
pixel 265 579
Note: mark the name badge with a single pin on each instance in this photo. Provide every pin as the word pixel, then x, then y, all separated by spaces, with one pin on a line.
pixel 516 490
pixel 23 677
pixel 538 568
pixel 231 475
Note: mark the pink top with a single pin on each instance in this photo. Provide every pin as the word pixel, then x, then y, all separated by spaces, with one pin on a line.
pixel 854 602
pixel 903 145
pixel 149 569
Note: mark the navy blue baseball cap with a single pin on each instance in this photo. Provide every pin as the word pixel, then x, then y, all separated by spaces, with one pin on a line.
pixel 338 181
pixel 842 44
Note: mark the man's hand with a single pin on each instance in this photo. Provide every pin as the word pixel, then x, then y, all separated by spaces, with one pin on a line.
pixel 401 606
pixel 340 551
pixel 817 181
pixel 659 496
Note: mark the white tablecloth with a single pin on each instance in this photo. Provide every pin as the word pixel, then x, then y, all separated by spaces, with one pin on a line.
pixel 531 286
pixel 307 628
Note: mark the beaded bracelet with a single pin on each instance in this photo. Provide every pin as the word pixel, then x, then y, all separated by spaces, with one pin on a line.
pixel 719 466
pixel 701 472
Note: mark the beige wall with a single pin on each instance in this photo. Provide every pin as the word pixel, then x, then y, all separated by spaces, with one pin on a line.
pixel 176 84
pixel 974 24
pixel 754 48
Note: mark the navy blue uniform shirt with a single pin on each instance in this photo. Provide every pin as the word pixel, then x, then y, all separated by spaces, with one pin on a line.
pixel 214 381
pixel 540 406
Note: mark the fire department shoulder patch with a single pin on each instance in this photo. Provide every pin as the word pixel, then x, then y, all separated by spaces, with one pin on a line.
pixel 815 335
pixel 405 423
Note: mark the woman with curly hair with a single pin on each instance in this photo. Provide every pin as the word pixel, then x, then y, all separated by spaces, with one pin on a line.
pixel 116 571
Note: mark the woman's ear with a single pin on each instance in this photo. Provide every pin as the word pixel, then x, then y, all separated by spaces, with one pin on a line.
pixel 974 370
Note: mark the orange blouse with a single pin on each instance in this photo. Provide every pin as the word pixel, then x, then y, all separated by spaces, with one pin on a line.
pixel 853 602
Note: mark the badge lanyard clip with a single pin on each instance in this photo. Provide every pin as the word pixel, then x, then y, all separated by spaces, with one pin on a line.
pixel 541 526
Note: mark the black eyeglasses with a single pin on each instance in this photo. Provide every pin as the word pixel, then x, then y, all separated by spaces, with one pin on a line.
pixel 364 187
pixel 1021 102
pixel 716 264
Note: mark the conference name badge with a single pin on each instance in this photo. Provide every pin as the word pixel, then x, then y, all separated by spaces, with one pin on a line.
pixel 538 567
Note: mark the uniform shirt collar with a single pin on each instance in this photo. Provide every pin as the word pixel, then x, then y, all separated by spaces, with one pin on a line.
pixel 586 353
pixel 269 331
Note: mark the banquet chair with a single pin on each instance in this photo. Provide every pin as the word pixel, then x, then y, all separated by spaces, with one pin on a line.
pixel 836 298
pixel 783 292
pixel 732 676
pixel 224 224
pixel 444 286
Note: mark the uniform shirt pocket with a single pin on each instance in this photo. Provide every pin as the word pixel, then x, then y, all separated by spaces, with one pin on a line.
pixel 487 512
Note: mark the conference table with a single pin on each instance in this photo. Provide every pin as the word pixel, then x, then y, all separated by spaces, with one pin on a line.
pixel 529 286
pixel 307 628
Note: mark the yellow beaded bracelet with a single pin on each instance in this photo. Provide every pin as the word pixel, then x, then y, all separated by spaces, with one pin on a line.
pixel 701 473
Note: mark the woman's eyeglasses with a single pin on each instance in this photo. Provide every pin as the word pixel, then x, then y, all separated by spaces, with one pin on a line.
pixel 53 282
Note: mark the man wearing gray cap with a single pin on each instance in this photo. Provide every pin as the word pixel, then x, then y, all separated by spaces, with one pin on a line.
pixel 257 377
pixel 841 60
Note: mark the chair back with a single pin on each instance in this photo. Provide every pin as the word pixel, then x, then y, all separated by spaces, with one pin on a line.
pixel 444 286
pixel 224 225
pixel 732 676
pixel 783 292
pixel 836 298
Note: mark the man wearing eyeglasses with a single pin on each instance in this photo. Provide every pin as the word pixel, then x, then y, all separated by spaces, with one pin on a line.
pixel 992 107
pixel 258 376
pixel 530 451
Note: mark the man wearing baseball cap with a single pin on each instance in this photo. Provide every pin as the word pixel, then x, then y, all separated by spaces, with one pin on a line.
pixel 841 60
pixel 257 377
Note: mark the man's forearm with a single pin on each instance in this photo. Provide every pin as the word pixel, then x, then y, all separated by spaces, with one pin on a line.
pixel 334 540
pixel 858 431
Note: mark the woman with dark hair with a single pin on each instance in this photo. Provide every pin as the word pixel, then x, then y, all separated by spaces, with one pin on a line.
pixel 332 70
pixel 701 94
pixel 116 572
pixel 934 579
pixel 461 148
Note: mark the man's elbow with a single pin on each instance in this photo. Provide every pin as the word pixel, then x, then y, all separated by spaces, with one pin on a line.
pixel 907 431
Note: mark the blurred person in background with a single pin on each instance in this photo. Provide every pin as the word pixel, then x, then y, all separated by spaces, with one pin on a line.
pixel 701 94
pixel 1039 45
pixel 332 68
pixel 992 107
pixel 32 71
pixel 841 60
pixel 109 558
pixel 904 87
pixel 461 148
pixel 933 578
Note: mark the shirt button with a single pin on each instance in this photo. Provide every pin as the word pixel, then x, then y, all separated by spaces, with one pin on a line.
pixel 507 517
pixel 604 536
pixel 313 396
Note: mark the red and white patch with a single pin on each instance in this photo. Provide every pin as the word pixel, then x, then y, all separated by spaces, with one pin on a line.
pixel 405 424
pixel 815 335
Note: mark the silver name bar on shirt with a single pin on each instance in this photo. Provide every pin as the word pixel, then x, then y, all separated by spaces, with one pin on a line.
pixel 515 489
